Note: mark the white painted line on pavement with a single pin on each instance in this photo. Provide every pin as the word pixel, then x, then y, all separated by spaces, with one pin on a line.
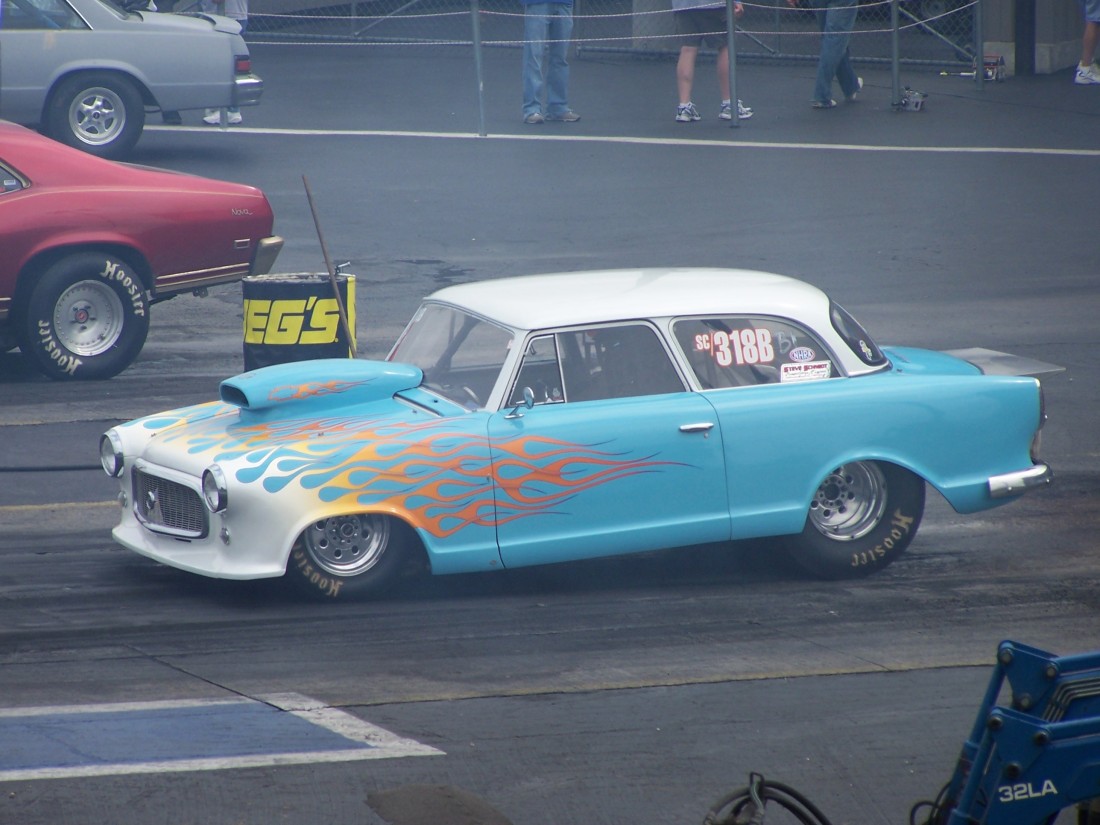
pixel 723 144
pixel 58 742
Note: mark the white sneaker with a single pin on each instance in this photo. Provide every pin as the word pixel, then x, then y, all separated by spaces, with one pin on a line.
pixel 725 111
pixel 687 113
pixel 213 117
pixel 234 117
pixel 1087 75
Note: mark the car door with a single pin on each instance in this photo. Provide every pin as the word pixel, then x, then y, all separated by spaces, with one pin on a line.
pixel 783 408
pixel 615 455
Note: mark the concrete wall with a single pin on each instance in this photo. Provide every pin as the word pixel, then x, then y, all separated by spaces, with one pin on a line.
pixel 1058 28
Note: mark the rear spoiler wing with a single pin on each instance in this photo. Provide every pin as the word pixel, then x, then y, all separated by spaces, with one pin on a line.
pixel 991 362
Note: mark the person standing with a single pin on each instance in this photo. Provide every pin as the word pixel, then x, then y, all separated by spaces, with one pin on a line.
pixel 1088 71
pixel 547 27
pixel 238 10
pixel 697 22
pixel 836 19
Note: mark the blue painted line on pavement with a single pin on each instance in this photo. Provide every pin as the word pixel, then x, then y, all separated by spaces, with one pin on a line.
pixel 151 737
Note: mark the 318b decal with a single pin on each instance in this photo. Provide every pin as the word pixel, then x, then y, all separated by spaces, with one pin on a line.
pixel 738 346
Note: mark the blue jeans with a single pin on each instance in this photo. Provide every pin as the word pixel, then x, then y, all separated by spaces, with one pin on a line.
pixel 836 19
pixel 547 28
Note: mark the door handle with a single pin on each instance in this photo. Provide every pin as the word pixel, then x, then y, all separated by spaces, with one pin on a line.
pixel 701 427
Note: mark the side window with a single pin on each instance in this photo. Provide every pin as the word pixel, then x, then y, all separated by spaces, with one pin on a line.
pixel 743 351
pixel 10 182
pixel 602 362
pixel 38 14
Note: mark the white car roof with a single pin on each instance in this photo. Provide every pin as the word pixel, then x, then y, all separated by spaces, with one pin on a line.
pixel 565 299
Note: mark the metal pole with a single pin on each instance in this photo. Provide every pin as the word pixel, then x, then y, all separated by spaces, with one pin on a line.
pixel 475 20
pixel 895 54
pixel 979 47
pixel 735 123
pixel 331 272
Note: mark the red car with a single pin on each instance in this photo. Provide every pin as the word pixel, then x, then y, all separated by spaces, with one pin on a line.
pixel 88 245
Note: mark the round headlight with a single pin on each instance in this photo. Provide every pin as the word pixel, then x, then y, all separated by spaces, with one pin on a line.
pixel 110 454
pixel 214 490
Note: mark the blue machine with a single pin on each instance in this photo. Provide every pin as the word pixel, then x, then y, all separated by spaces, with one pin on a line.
pixel 1034 750
pixel 1027 760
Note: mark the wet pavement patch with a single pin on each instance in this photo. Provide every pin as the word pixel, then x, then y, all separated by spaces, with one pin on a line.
pixel 432 805
pixel 190 735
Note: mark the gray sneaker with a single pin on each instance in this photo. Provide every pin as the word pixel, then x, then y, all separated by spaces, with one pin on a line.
pixel 568 116
pixel 534 117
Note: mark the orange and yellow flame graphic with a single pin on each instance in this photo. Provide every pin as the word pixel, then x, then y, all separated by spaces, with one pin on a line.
pixel 441 475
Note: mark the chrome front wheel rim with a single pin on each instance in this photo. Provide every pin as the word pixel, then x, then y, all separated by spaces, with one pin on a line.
pixel 348 545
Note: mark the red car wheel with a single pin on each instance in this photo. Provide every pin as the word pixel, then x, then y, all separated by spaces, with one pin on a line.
pixel 87 317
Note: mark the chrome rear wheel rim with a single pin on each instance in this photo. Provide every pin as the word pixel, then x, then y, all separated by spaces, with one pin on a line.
pixel 850 502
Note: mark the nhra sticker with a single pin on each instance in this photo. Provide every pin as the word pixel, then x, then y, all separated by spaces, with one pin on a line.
pixel 812 371
pixel 738 346
pixel 801 354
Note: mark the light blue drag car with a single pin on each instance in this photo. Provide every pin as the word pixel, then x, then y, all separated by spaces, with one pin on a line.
pixel 550 418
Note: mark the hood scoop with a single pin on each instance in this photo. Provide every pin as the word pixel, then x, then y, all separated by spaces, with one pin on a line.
pixel 322 383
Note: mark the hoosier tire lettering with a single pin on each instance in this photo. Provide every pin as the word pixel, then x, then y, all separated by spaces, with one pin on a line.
pixel 328 586
pixel 65 361
pixel 900 524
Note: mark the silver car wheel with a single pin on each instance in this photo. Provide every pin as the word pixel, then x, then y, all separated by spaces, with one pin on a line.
pixel 850 502
pixel 347 545
pixel 88 318
pixel 97 116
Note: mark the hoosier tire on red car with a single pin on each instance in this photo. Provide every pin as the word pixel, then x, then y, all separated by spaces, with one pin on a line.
pixel 86 317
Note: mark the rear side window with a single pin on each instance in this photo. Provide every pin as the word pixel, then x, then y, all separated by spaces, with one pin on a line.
pixel 743 351
pixel 856 337
pixel 9 181
pixel 38 14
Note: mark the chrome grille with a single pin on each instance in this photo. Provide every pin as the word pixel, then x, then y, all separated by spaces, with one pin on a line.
pixel 166 506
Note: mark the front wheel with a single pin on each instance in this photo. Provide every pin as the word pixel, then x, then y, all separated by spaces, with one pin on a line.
pixel 101 113
pixel 349 556
pixel 87 317
pixel 862 517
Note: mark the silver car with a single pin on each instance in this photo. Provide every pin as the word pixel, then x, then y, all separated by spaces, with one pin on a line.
pixel 86 71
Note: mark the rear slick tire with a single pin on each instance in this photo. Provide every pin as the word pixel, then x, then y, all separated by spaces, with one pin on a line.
pixel 862 517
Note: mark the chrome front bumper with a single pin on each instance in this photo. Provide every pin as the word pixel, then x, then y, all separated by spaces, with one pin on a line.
pixel 1013 484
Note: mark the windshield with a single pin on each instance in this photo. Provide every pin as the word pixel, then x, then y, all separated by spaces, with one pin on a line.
pixel 460 355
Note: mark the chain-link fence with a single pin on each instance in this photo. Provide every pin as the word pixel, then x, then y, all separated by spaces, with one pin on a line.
pixel 932 33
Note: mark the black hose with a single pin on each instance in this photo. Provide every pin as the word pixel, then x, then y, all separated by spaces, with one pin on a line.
pixel 938 810
pixel 746 806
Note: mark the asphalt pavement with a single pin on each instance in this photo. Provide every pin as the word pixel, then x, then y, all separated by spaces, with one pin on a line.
pixel 606 696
